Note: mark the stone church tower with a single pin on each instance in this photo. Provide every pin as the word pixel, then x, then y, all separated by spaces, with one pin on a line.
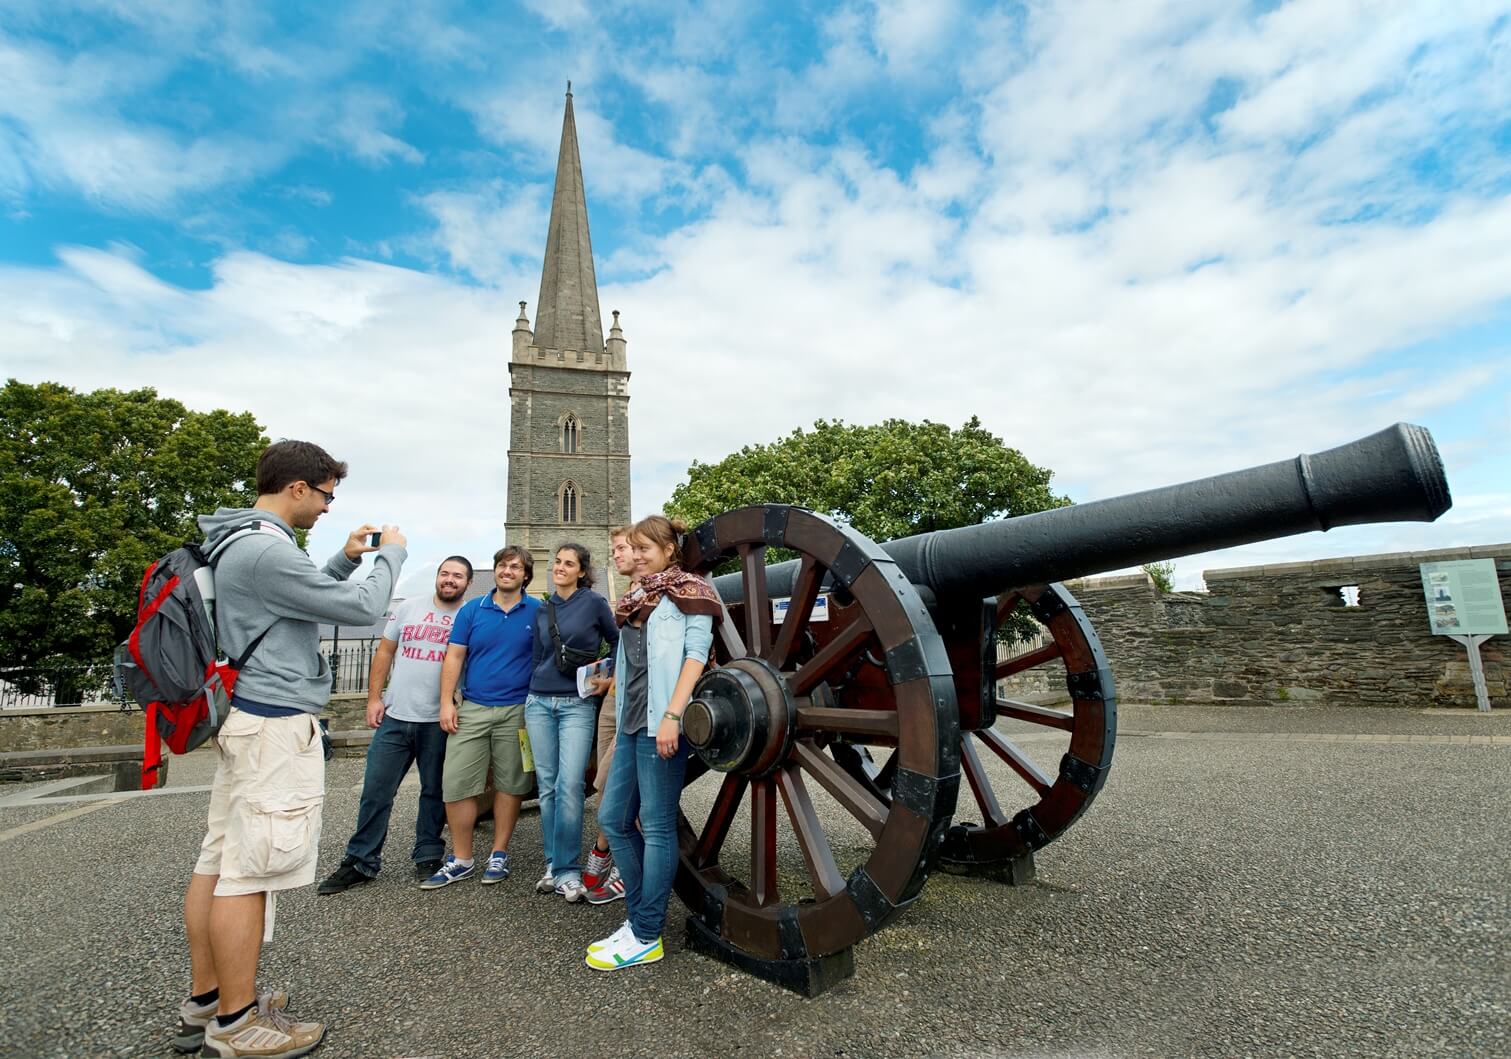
pixel 569 433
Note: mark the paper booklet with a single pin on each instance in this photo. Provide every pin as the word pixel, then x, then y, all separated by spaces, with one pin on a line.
pixel 604 667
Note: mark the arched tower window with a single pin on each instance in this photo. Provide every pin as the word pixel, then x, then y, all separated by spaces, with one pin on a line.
pixel 571 433
pixel 568 503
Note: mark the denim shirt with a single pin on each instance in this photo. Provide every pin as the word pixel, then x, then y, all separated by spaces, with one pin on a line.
pixel 671 638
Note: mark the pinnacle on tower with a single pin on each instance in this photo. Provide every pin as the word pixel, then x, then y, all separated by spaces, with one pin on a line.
pixel 566 313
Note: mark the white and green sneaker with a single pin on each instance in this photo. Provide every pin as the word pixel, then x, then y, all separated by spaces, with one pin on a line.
pixel 612 939
pixel 624 950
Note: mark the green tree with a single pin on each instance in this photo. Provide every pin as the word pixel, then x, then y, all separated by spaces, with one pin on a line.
pixel 93 488
pixel 888 481
pixel 1162 574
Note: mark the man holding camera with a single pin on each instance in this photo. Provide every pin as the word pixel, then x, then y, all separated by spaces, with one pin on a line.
pixel 407 717
pixel 264 821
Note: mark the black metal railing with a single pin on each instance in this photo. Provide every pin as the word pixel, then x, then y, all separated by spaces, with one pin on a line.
pixel 349 666
pixel 39 687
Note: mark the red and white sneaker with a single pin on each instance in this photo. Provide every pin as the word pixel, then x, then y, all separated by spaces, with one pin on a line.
pixel 596 867
pixel 611 890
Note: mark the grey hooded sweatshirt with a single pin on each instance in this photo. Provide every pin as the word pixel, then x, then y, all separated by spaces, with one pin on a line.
pixel 265 581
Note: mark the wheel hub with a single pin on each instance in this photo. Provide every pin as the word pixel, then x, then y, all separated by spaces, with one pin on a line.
pixel 741 718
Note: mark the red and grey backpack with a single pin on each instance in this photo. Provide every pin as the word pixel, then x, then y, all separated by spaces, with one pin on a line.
pixel 171 663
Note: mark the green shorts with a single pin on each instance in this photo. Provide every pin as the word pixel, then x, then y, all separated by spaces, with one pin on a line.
pixel 485 735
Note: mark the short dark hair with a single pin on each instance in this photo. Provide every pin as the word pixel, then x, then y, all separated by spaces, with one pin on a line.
pixel 584 561
pixel 285 462
pixel 458 559
pixel 514 551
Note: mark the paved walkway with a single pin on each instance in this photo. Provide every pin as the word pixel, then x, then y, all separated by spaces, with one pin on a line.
pixel 1252 882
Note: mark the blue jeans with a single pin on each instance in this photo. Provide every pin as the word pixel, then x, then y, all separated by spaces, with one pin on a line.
pixel 395 746
pixel 643 784
pixel 561 738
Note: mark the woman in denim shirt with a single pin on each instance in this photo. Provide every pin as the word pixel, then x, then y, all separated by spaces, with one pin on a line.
pixel 560 721
pixel 666 631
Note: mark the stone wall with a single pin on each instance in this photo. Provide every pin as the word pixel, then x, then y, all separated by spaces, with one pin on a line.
pixel 1282 633
pixel 63 727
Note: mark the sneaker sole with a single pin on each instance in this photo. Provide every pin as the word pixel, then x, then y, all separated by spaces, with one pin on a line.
pixel 604 900
pixel 603 965
pixel 493 882
pixel 292 1053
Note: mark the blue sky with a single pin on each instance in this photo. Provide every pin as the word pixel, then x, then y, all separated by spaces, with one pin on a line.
pixel 1143 242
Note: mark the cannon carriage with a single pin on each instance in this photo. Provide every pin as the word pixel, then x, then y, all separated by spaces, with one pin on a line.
pixel 877 686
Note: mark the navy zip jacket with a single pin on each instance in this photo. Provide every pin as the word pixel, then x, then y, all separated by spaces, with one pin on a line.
pixel 585 621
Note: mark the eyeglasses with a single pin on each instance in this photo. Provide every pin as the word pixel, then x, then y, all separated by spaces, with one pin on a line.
pixel 330 498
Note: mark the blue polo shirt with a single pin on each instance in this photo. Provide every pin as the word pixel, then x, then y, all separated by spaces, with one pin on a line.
pixel 499 644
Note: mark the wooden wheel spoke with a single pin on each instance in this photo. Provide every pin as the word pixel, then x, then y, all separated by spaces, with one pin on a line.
pixel 873 723
pixel 1047 653
pixel 1006 604
pixel 970 764
pixel 844 788
pixel 831 656
pixel 720 817
pixel 827 880
pixel 1023 711
pixel 763 885
pixel 729 636
pixel 805 588
pixel 1016 760
pixel 757 602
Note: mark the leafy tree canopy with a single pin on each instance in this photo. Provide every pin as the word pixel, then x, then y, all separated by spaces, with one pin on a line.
pixel 888 481
pixel 93 488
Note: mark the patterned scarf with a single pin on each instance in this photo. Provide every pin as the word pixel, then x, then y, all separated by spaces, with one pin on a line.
pixel 690 593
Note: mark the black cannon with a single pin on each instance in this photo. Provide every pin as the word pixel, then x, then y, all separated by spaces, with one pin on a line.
pixel 877 686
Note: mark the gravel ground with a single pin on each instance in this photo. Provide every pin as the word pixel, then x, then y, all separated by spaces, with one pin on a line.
pixel 1227 897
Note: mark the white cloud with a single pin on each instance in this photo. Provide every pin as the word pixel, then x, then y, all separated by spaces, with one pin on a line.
pixel 909 32
pixel 1121 250
pixel 399 373
pixel 487 231
pixel 361 127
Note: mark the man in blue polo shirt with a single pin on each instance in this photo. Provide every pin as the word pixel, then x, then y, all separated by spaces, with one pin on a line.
pixel 492 638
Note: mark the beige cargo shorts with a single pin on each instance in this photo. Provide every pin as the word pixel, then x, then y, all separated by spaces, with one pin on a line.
pixel 265 802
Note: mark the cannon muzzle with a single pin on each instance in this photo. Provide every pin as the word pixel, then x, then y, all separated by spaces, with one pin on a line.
pixel 1395 475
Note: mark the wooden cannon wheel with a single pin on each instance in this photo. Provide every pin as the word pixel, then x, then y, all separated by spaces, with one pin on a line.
pixel 761 723
pixel 1038 807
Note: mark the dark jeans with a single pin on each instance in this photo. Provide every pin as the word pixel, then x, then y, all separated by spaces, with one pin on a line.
pixel 395 746
pixel 642 784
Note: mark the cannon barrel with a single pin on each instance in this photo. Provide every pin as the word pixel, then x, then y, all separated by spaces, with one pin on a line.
pixel 1395 475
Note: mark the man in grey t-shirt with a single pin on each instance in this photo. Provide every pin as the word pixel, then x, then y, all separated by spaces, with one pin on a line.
pixel 406 716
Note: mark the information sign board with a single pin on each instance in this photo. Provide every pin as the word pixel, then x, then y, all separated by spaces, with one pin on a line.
pixel 1464 598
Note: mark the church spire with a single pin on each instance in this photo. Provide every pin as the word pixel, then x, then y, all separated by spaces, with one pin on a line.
pixel 566 313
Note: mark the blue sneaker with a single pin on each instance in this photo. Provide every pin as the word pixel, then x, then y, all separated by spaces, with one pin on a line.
pixel 450 872
pixel 498 867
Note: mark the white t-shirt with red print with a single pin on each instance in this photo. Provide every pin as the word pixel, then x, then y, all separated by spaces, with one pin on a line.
pixel 422 630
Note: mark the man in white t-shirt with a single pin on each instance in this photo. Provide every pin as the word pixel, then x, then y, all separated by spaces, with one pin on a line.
pixel 407 717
